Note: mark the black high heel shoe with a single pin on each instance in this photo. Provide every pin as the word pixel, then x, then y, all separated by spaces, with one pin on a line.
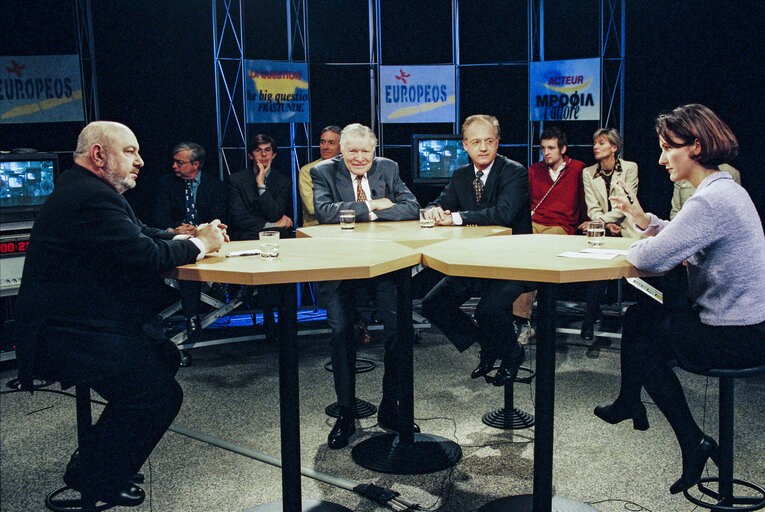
pixel 508 371
pixel 693 464
pixel 616 413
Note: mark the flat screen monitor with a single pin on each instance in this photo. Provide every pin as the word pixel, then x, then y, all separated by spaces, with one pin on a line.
pixel 26 181
pixel 435 157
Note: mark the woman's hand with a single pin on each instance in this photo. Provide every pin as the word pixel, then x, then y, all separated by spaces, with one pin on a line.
pixel 627 202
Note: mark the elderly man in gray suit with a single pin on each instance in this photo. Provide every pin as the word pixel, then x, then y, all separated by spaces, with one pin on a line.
pixel 370 186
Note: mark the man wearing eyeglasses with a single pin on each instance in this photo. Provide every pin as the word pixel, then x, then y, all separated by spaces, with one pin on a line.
pixel 259 197
pixel 493 190
pixel 187 198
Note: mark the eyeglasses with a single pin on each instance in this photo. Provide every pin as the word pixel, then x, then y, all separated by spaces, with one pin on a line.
pixel 474 143
pixel 181 163
pixel 265 151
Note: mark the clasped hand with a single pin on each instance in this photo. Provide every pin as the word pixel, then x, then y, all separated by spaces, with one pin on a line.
pixel 441 216
pixel 212 235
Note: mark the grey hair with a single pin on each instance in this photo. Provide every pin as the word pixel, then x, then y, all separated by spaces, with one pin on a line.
pixel 332 128
pixel 95 133
pixel 357 130
pixel 197 152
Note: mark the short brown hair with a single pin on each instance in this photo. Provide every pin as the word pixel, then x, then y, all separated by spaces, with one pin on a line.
pixel 259 139
pixel 480 117
pixel 689 123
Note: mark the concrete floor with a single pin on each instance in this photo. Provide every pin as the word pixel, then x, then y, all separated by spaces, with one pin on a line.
pixel 231 392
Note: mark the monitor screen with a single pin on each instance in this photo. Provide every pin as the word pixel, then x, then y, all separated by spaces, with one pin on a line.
pixel 26 181
pixel 435 157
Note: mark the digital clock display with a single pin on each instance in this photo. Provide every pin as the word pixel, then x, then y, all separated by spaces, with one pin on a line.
pixel 13 247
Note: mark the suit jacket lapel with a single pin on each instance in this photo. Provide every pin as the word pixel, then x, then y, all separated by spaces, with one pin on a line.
pixel 491 181
pixel 344 184
pixel 376 182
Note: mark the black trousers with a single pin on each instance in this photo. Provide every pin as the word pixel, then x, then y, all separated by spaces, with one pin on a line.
pixel 654 335
pixel 492 327
pixel 341 298
pixel 134 374
pixel 191 294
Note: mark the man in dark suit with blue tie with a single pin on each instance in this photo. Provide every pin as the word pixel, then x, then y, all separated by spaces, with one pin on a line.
pixel 493 190
pixel 91 280
pixel 371 187
pixel 187 198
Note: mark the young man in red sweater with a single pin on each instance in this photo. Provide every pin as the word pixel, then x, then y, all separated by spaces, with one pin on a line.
pixel 557 202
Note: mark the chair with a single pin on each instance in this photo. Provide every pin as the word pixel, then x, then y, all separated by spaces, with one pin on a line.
pixel 54 501
pixel 724 496
pixel 510 417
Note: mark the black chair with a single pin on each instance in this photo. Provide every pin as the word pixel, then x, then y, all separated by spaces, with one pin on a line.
pixel 725 500
pixel 510 417
pixel 362 408
pixel 55 501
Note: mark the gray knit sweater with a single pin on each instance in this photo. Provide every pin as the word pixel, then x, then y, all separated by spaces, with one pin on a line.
pixel 719 233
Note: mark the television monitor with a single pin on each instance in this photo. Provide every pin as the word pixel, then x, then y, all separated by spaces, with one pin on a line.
pixel 26 181
pixel 435 157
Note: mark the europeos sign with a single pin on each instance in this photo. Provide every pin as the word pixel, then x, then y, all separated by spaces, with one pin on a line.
pixel 565 90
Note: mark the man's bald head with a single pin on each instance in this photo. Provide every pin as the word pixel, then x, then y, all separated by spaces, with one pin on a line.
pixel 110 151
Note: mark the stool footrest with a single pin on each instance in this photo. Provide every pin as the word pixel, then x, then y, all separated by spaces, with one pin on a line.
pixel 737 503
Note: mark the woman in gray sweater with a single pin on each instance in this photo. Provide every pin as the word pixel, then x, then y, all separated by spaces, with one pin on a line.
pixel 718 235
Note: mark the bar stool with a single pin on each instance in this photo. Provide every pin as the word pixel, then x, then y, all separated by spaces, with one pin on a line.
pixel 362 408
pixel 84 503
pixel 726 500
pixel 510 417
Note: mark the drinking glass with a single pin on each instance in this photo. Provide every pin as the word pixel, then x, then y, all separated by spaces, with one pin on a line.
pixel 596 233
pixel 269 244
pixel 426 218
pixel 347 220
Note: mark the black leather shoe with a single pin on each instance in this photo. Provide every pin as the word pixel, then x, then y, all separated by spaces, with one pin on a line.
pixel 194 328
pixel 508 370
pixel 129 496
pixel 694 461
pixel 617 412
pixel 485 366
pixel 387 418
pixel 345 427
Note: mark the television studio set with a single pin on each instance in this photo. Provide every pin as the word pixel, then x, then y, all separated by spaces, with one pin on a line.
pixel 365 256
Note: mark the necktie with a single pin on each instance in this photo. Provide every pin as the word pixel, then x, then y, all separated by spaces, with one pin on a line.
pixel 191 209
pixel 478 186
pixel 360 195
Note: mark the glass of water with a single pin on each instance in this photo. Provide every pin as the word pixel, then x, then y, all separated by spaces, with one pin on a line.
pixel 269 244
pixel 596 233
pixel 426 218
pixel 347 220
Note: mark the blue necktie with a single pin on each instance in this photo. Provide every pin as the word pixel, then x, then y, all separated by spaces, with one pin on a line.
pixel 191 208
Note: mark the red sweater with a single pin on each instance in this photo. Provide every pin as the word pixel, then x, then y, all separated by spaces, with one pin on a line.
pixel 564 206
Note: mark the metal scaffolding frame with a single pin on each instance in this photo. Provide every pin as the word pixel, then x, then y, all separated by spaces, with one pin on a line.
pixel 86 49
pixel 229 72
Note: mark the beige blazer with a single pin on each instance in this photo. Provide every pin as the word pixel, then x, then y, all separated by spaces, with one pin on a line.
pixel 597 197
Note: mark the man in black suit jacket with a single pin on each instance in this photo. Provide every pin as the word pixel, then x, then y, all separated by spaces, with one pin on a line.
pixel 371 186
pixel 185 199
pixel 260 197
pixel 493 190
pixel 90 277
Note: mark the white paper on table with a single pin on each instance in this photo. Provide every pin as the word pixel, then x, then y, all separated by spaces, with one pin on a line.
pixel 589 255
pixel 605 251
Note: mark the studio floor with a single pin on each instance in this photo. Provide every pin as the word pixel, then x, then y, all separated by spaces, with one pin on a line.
pixel 231 392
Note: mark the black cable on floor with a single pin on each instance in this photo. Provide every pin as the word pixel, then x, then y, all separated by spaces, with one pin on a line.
pixel 627 504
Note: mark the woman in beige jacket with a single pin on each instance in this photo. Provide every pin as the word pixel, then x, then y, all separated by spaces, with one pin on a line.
pixel 600 183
